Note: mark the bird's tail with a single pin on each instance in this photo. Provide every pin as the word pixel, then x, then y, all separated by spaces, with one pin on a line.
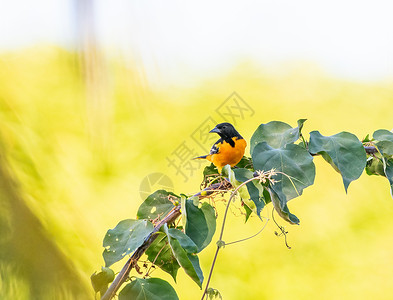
pixel 201 157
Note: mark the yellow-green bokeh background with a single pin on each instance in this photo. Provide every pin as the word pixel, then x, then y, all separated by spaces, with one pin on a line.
pixel 77 167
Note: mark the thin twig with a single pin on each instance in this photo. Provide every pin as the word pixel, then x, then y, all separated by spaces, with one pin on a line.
pixel 283 232
pixel 154 261
pixel 250 237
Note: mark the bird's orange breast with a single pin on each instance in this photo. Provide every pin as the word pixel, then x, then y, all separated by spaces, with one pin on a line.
pixel 228 155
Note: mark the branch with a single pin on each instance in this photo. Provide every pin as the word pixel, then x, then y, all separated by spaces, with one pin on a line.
pixel 169 218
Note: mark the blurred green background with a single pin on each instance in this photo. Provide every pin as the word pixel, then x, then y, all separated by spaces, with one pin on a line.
pixel 80 129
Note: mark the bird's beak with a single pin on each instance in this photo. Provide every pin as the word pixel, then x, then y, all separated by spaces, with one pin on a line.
pixel 216 130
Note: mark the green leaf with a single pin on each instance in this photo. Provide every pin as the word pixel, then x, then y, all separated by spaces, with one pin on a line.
pixel 300 124
pixel 385 147
pixel 124 239
pixel 160 253
pixel 366 139
pixel 381 165
pixel 148 289
pixel 248 211
pixel 187 243
pixel 375 166
pixel 296 171
pixel 201 223
pixel 243 192
pixel 210 170
pixel 245 162
pixel 383 135
pixel 195 200
pixel 248 204
pixel 182 258
pixel 389 173
pixel 343 151
pixel 213 294
pixel 292 160
pixel 100 280
pixel 276 134
pixel 195 263
pixel 254 188
pixel 388 170
pixel 266 196
pixel 385 141
pixel 157 204
pixel 282 208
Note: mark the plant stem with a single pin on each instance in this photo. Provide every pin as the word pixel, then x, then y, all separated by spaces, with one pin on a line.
pixel 222 231
pixel 210 274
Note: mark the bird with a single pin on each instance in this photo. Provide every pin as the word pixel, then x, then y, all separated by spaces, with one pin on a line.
pixel 228 150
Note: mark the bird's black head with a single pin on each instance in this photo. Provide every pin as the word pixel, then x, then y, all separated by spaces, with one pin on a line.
pixel 226 131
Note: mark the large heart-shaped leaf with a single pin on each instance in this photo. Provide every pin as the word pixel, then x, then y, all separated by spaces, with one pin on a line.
pixel 295 171
pixel 343 151
pixel 124 239
pixel 276 134
pixel 157 204
pixel 292 160
pixel 148 289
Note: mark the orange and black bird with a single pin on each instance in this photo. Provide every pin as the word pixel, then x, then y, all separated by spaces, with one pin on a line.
pixel 228 150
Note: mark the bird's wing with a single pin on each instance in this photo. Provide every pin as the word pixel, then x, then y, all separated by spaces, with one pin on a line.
pixel 216 147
